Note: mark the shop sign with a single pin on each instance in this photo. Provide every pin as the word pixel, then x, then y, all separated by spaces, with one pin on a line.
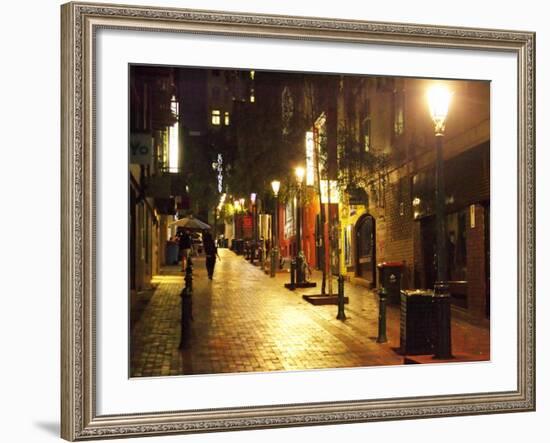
pixel 141 148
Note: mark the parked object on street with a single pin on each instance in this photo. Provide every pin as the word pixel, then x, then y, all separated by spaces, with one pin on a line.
pixel 416 332
pixel 172 252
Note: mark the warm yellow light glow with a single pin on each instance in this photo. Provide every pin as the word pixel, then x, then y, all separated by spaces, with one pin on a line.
pixel 173 138
pixel 276 185
pixel 439 99
pixel 300 172
pixel 173 147
pixel 173 279
pixel 216 117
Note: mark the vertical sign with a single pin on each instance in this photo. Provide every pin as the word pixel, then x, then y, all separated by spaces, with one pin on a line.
pixel 472 216
pixel 219 168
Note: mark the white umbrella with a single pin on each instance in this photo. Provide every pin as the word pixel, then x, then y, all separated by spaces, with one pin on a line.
pixel 190 223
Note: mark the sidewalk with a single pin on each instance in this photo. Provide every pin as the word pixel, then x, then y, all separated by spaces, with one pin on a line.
pixel 245 321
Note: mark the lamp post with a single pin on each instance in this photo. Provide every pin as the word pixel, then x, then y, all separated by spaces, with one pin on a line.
pixel 439 99
pixel 275 186
pixel 254 227
pixel 300 172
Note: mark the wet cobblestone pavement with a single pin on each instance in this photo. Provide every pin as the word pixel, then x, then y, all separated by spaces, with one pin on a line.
pixel 245 321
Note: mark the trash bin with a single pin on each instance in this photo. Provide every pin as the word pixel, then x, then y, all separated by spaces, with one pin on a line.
pixel 416 334
pixel 172 252
pixel 390 278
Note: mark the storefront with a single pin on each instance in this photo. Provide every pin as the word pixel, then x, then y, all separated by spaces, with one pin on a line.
pixel 467 208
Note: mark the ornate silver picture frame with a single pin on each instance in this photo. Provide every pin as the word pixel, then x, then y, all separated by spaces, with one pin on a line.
pixel 81 22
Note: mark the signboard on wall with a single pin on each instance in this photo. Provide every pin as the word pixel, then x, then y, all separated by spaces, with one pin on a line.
pixel 141 148
pixel 289 219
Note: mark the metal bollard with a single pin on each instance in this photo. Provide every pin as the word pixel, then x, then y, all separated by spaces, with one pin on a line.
pixel 252 253
pixel 273 263
pixel 293 273
pixel 383 294
pixel 262 257
pixel 300 265
pixel 186 317
pixel 189 275
pixel 187 305
pixel 341 314
pixel 442 312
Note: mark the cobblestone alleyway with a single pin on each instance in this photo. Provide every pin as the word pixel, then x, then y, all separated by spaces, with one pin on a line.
pixel 245 321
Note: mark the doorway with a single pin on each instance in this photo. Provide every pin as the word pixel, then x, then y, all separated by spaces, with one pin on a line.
pixel 365 248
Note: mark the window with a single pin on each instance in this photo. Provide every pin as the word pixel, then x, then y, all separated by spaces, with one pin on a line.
pixel 366 127
pixel 398 113
pixel 367 134
pixel 226 118
pixel 216 117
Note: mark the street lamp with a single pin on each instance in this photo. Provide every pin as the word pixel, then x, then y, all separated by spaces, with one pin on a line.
pixel 439 99
pixel 275 186
pixel 254 227
pixel 300 172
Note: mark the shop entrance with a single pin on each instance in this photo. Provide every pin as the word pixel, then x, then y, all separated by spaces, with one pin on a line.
pixel 365 248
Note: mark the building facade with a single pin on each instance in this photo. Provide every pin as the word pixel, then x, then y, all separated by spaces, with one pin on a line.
pixel 375 144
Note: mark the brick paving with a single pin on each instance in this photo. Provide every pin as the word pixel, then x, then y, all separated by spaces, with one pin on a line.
pixel 245 321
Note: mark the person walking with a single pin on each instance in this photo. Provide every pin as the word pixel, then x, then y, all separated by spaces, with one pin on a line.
pixel 185 247
pixel 211 252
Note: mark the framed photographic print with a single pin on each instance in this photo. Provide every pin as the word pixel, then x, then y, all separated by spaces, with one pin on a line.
pixel 282 221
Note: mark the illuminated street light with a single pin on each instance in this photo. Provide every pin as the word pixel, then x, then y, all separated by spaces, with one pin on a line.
pixel 300 172
pixel 275 186
pixel 254 227
pixel 439 99
pixel 173 138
